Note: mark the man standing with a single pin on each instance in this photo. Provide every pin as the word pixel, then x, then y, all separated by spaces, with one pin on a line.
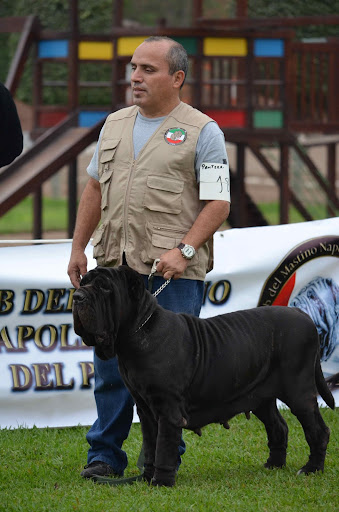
pixel 144 187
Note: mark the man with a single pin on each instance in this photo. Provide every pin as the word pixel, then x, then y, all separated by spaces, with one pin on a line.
pixel 144 188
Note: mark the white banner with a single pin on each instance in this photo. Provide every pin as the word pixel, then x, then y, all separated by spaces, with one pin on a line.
pixel 47 372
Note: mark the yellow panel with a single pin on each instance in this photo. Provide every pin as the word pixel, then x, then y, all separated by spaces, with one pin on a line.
pixel 225 46
pixel 127 45
pixel 95 50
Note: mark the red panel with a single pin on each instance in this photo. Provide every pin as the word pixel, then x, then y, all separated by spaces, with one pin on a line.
pixel 228 118
pixel 48 119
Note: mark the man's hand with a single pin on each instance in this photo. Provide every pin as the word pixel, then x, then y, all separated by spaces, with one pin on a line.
pixel 172 264
pixel 77 267
pixel 87 220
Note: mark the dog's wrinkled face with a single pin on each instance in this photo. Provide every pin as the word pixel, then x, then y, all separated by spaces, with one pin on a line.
pixel 96 311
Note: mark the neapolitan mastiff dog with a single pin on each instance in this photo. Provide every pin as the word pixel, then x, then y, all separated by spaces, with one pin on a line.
pixel 183 371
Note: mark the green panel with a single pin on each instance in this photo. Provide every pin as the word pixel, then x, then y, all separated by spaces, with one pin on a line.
pixel 189 43
pixel 268 119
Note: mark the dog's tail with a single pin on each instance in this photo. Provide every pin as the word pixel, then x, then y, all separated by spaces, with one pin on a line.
pixel 322 386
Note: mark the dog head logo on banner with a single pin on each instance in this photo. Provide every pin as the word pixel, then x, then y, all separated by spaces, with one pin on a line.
pixel 293 283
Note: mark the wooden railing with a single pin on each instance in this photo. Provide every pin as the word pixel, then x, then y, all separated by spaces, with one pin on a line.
pixel 314 102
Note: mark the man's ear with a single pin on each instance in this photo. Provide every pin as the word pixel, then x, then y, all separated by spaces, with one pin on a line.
pixel 178 78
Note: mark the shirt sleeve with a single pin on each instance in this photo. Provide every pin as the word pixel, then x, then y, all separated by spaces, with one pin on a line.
pixel 211 147
pixel 93 167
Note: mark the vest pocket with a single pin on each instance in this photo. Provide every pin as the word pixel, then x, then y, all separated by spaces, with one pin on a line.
pixel 107 150
pixel 106 249
pixel 105 182
pixel 161 238
pixel 163 194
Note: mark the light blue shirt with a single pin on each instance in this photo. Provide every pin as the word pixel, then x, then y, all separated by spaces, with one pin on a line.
pixel 210 146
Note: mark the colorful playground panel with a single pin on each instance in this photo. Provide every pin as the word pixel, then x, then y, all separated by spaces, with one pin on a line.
pixel 95 50
pixel 225 47
pixel 267 119
pixel 86 119
pixel 211 46
pixel 228 118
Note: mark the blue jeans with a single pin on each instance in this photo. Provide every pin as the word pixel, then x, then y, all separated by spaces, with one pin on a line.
pixel 114 402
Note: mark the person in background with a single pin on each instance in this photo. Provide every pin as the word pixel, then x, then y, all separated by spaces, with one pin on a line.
pixel 144 187
pixel 11 138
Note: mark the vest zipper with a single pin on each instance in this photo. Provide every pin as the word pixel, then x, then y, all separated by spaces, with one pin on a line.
pixel 126 205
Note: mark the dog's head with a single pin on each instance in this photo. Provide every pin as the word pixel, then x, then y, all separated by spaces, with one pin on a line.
pixel 102 304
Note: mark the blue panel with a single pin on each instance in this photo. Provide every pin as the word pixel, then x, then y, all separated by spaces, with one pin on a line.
pixel 87 119
pixel 53 49
pixel 268 48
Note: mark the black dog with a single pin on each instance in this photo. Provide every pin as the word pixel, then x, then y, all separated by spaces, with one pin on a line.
pixel 183 371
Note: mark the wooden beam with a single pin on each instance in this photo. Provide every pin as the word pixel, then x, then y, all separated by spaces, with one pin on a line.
pixel 28 35
pixel 242 9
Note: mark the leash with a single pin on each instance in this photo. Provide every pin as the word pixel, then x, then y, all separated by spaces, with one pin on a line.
pixel 151 278
pixel 123 481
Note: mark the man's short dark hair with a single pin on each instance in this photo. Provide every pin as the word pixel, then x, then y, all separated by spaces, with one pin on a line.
pixel 176 56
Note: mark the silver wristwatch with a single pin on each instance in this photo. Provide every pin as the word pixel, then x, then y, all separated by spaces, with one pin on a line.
pixel 187 251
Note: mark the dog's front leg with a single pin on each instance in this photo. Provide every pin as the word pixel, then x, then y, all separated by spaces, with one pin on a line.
pixel 149 429
pixel 166 457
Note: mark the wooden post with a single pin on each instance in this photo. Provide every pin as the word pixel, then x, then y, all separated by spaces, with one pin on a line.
pixel 331 161
pixel 37 214
pixel 117 18
pixel 284 179
pixel 250 83
pixel 241 9
pixel 197 11
pixel 73 93
pixel 37 93
pixel 241 217
pixel 118 13
pixel 72 197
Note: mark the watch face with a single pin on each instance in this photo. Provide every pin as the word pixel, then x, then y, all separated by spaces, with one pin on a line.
pixel 188 251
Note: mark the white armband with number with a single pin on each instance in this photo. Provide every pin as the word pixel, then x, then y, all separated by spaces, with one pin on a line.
pixel 214 182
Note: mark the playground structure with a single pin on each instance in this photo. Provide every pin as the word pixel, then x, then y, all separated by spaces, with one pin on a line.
pixel 261 85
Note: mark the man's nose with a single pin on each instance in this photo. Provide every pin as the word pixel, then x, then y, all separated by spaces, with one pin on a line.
pixel 136 75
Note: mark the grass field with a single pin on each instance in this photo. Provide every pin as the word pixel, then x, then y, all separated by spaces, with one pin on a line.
pixel 221 471
pixel 20 218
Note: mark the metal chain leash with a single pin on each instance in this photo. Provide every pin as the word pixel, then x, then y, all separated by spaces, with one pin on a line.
pixel 151 276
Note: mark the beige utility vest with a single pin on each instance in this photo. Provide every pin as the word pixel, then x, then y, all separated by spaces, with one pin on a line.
pixel 149 204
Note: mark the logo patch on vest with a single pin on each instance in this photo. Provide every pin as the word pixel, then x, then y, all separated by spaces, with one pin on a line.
pixel 175 136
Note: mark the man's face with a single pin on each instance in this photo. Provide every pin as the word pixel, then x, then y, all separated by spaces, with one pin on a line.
pixel 154 90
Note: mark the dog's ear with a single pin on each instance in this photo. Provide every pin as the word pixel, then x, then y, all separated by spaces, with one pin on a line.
pixel 134 281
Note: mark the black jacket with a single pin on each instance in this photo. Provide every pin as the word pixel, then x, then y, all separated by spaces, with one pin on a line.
pixel 11 139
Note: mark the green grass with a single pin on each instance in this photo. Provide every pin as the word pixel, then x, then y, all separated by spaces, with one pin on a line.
pixel 221 471
pixel 20 218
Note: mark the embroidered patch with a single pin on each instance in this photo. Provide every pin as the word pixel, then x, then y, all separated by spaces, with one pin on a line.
pixel 175 136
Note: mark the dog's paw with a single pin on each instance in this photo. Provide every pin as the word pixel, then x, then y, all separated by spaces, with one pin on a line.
pixel 163 483
pixel 148 473
pixel 309 469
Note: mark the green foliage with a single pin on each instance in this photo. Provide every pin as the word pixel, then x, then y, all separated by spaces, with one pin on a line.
pixel 286 8
pixel 223 470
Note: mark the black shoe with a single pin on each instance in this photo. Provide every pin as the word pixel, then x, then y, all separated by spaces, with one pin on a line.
pixel 98 468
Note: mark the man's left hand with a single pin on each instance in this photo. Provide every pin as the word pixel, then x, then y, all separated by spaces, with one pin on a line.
pixel 172 264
